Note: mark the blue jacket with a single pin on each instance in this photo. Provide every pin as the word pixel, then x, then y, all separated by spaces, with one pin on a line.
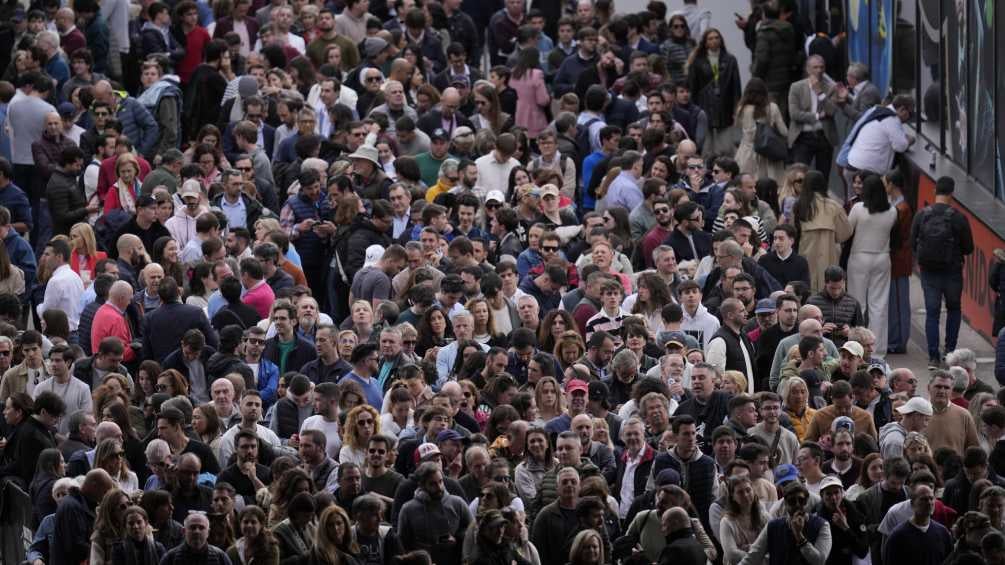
pixel 22 256
pixel 1000 358
pixel 15 199
pixel 268 381
pixel 137 124
pixel 569 71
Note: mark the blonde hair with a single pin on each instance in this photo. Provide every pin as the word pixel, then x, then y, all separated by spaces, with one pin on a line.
pixel 349 434
pixel 124 159
pixel 86 233
pixel 737 378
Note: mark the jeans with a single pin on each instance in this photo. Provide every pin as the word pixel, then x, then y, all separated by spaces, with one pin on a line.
pixel 900 314
pixel 939 285
pixel 813 148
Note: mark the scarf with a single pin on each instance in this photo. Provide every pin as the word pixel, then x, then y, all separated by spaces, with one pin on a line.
pixel 127 196
pixel 140 553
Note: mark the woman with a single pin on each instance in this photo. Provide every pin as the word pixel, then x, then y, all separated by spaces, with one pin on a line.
pixel 111 457
pixel 742 520
pixel 290 484
pixel 553 327
pixel 333 538
pixel 362 423
pixel 123 194
pixel 734 382
pixel 713 77
pixel 209 135
pixel 173 383
pixel 56 326
pixel 49 469
pixel 872 473
pixel 201 286
pixel 130 420
pixel 257 546
pixel 295 535
pixel 587 549
pixel 823 226
pixel 347 341
pixel 485 332
pixel 109 524
pixel 738 200
pixel 206 425
pixel 539 461
pixel 138 546
pixel 146 381
pixel 492 547
pixel 488 114
pixel 11 276
pixel 433 330
pixel 872 221
pixel 84 255
pixel 532 93
pixel 651 296
pixel 362 320
pixel 754 108
pixel 978 403
pixel 677 47
pixel 518 176
pixel 795 400
pixel 569 348
pixel 465 361
pixel 208 160
pixel 167 255
pixel 792 187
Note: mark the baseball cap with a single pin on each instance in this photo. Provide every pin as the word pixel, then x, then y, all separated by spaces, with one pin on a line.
pixel 427 450
pixel 853 347
pixel 785 473
pixel 145 200
pixel 843 423
pixel 830 481
pixel 66 110
pixel 576 384
pixel 190 188
pixel 765 306
pixel 667 477
pixel 495 196
pixel 460 80
pixel 462 131
pixel 439 134
pixel 598 391
pixel 448 435
pixel 916 404
pixel 877 367
pixel 549 189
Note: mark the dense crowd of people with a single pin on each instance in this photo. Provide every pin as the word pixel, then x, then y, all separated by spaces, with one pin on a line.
pixel 440 281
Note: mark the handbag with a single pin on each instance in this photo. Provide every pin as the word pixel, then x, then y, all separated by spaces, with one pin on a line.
pixel 770 144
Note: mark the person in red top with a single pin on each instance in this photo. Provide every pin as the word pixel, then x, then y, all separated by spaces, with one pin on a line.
pixel 659 232
pixel 110 320
pixel 196 38
pixel 85 255
pixel 258 294
pixel 107 172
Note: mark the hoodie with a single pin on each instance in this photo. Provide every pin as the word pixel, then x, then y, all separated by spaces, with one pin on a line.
pixel 702 326
pixel 891 440
pixel 425 523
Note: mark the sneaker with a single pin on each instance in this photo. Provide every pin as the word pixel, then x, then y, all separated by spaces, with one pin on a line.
pixel 934 364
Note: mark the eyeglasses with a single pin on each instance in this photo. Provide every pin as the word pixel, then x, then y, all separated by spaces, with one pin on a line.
pixel 503 479
pixel 408 341
pixel 372 79
pixel 377 451
pixel 245 169
pixel 549 248
pixel 101 114
pixel 255 341
pixel 161 388
pixel 662 210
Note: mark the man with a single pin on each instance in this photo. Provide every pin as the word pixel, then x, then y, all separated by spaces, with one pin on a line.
pixel 137 122
pixel 494 169
pixel 434 520
pixel 378 478
pixel 33 435
pixel 66 203
pixel 730 349
pixel 848 530
pixel 624 191
pixel 697 322
pixel 652 241
pixel 686 458
pixel 940 239
pixel 170 321
pixel 14 199
pixel 843 312
pixel 188 495
pixel 251 415
pixel 196 547
pixel 784 442
pixel 74 519
pixel 782 261
pixel 915 416
pixel 876 137
pixel 967 360
pixel 975 468
pixel 598 453
pixel 266 372
pixel 170 428
pixel 317 463
pixel 786 314
pixel 329 366
pixel 552 531
pixel 842 405
pixel 241 210
pixel 111 319
pixel 145 224
pixel 774 51
pixel 951 426
pixel 64 289
pixel 287 350
pixel 689 240
pixel 148 298
pixel 709 407
pixel 843 465
pixel 796 537
pixel 26 117
pixel 572 67
pixel 681 545
pixel 256 290
pixel 920 540
pixel 811 133
pixel 246 474
pixel 876 501
pixel 327 35
pixel 75 393
pixel 290 411
pixel 365 361
pixel 191 359
pixel 373 283
pixel 729 254
pixel 30 372
pixel 224 402
pixel 108 359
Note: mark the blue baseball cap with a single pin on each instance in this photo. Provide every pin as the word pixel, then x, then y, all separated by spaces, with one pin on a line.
pixel 785 473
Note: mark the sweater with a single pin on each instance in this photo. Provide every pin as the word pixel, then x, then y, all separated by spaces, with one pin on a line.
pixel 821 424
pixel 793 268
pixel 953 428
pixel 909 545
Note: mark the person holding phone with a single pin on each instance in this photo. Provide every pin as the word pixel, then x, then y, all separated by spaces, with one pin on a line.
pixel 798 531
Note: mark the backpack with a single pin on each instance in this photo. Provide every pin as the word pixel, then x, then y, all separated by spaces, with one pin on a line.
pixel 878 113
pixel 583 138
pixel 936 248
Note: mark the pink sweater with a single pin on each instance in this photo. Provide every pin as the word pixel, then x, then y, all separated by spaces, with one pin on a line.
pixel 260 298
pixel 532 98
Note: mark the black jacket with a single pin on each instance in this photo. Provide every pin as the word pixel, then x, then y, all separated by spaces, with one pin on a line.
pixel 84 370
pixel 66 202
pixel 302 354
pixel 764 283
pixel 774 54
pixel 239 314
pixel 363 235
pixel 682 248
pixel 176 361
pixel 717 99
pixel 221 364
pixel 319 373
pixel 682 549
pixel 795 268
pixel 72 530
pixel 433 120
pixel 253 208
pixel 169 323
pixel 846 544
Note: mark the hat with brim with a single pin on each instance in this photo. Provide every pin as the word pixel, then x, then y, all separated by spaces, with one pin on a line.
pixel 190 188
pixel 367 153
pixel 830 481
pixel 916 404
pixel 427 450
pixel 785 473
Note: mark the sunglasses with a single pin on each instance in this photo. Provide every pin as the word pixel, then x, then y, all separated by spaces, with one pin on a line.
pixel 101 114
pixel 408 341
pixel 378 451
pixel 372 79
pixel 492 205
pixel 161 388
pixel 255 341
pixel 5 353
pixel 662 210
pixel 549 248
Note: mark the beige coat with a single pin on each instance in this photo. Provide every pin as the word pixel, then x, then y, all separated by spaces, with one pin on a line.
pixel 749 161
pixel 820 238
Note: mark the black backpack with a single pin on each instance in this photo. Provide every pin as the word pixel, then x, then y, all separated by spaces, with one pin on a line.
pixel 583 138
pixel 937 242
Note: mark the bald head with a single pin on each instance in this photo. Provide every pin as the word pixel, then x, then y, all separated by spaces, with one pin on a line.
pixel 120 294
pixel 451 97
pixel 107 430
pixel 687 148
pixel 102 91
pixel 96 484
pixel 675 519
pixel 809 311
pixel 809 328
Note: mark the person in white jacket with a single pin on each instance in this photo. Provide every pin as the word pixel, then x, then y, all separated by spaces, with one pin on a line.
pixel 697 321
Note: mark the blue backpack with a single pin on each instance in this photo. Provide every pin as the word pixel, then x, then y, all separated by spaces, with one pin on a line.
pixel 877 113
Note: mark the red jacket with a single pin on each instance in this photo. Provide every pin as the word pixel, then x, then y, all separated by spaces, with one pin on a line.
pixel 107 174
pixel 90 263
pixel 109 321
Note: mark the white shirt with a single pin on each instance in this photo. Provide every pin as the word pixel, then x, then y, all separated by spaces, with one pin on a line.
pixel 292 39
pixel 63 293
pixel 876 144
pixel 226 447
pixel 628 484
pixel 493 175
pixel 332 439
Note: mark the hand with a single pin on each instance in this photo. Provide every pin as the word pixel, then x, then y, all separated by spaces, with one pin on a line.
pixel 796 524
pixel 697 181
pixel 840 519
pixel 3 443
pixel 93 208
pixel 431 354
pixel 306 225
pixel 294 441
pixel 324 228
pixel 741 22
pixel 748 249
pixel 676 389
pixel 829 327
pixel 248 468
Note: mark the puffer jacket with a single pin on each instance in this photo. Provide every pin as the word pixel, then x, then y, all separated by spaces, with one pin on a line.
pixel 774 54
pixel 697 476
pixel 844 310
pixel 547 490
pixel 363 235
pixel 66 202
pixel 164 102
pixel 423 522
pixel 138 124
